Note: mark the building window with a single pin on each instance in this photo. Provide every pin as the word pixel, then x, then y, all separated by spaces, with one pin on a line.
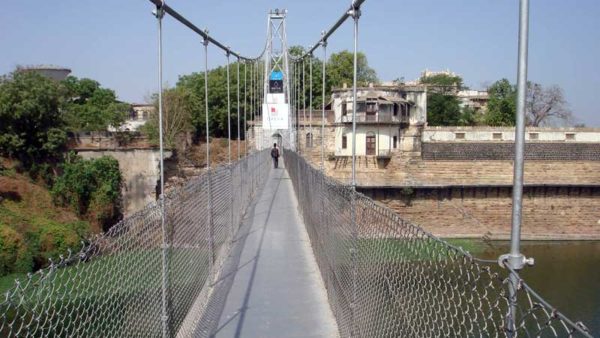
pixel 344 109
pixel 570 137
pixel 309 140
pixel 395 109
pixel 459 136
pixel 497 136
pixel 344 142
pixel 395 141
pixel 371 144
pixel 533 136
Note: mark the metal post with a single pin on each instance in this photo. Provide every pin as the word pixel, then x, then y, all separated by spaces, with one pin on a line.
pixel 211 239
pixel 323 94
pixel 228 113
pixel 310 98
pixel 355 13
pixel 159 13
pixel 245 108
pixel 304 102
pixel 238 109
pixel 515 260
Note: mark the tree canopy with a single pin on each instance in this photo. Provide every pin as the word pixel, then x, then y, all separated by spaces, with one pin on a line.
pixel 89 107
pixel 31 124
pixel 502 104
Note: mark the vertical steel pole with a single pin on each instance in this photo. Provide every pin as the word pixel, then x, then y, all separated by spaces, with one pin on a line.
pixel 245 108
pixel 238 109
pixel 355 13
pixel 159 13
pixel 228 113
pixel 209 205
pixel 515 260
pixel 323 94
pixel 310 98
pixel 229 148
pixel 304 102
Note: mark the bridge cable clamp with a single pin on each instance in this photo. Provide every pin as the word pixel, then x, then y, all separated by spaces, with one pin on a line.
pixel 515 262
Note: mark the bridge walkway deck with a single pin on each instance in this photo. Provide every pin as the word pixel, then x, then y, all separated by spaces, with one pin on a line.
pixel 277 290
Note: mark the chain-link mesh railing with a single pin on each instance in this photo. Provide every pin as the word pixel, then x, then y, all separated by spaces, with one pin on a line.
pixel 386 277
pixel 113 286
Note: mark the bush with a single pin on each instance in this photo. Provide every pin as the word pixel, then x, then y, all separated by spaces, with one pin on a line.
pixel 56 239
pixel 14 255
pixel 92 188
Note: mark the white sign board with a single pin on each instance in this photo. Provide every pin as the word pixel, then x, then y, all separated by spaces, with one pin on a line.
pixel 275 116
pixel 275 98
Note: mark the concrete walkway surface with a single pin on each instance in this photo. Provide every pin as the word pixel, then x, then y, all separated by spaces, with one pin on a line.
pixel 277 290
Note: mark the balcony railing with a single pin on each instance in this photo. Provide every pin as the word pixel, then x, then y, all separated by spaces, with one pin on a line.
pixel 375 118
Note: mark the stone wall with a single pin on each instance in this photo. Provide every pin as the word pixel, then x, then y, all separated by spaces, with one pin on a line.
pixel 505 151
pixel 548 212
pixel 141 171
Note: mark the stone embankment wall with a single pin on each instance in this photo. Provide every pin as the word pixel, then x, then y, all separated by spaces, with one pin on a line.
pixel 548 212
pixel 141 173
pixel 505 151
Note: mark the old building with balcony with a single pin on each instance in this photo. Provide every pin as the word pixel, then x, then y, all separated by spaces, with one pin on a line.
pixel 388 119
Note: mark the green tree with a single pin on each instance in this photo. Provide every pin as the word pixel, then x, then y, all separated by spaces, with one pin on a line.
pixel 340 68
pixel 502 104
pixel 178 105
pixel 31 124
pixel 92 188
pixel 443 83
pixel 443 110
pixel 443 107
pixel 89 107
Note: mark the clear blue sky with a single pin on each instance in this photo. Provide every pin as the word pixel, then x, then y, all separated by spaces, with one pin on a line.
pixel 114 41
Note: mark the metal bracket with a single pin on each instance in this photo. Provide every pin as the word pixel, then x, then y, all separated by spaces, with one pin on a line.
pixel 205 41
pixel 515 262
pixel 159 12
pixel 354 13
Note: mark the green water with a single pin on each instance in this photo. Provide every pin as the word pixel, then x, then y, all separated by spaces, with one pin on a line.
pixel 566 274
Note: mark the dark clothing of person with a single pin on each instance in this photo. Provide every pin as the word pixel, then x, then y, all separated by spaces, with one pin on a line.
pixel 275 157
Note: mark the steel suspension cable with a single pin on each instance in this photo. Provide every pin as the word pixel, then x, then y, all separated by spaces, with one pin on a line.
pixel 304 102
pixel 310 104
pixel 209 204
pixel 228 114
pixel 245 108
pixel 164 259
pixel 323 95
pixel 238 109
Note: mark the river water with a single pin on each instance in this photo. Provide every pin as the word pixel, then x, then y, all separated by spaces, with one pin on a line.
pixel 566 274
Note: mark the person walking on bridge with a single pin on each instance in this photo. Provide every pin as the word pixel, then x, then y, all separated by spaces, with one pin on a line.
pixel 275 155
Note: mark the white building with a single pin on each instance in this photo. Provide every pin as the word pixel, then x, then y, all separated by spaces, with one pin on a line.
pixel 387 119
pixel 474 99
pixel 139 114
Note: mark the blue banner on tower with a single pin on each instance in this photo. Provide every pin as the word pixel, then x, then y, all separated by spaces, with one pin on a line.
pixel 276 75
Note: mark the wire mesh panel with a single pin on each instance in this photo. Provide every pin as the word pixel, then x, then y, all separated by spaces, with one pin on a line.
pixel 386 277
pixel 113 286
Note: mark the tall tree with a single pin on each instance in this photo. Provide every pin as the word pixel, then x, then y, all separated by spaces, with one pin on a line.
pixel 178 104
pixel 546 106
pixel 340 69
pixel 31 125
pixel 502 104
pixel 89 107
pixel 443 107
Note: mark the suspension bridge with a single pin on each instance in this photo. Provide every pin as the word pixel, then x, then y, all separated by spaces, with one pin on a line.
pixel 245 250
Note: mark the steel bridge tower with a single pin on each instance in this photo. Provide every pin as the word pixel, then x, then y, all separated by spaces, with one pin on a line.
pixel 277 123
